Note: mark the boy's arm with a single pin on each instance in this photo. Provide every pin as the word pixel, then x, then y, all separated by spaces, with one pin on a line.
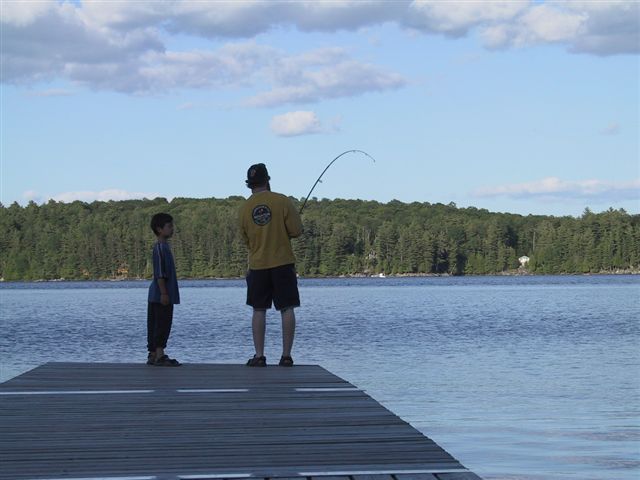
pixel 159 272
pixel 164 294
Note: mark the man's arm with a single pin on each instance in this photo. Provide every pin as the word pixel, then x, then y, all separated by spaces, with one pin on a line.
pixel 292 220
pixel 243 232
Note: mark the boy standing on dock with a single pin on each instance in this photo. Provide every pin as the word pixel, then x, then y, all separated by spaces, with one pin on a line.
pixel 268 221
pixel 163 293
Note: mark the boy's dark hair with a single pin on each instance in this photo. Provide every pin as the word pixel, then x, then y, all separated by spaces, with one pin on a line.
pixel 159 220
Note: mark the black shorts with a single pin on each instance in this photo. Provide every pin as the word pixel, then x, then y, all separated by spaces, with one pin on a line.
pixel 278 284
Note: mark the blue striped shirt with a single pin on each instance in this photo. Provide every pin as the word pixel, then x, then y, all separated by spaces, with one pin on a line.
pixel 164 267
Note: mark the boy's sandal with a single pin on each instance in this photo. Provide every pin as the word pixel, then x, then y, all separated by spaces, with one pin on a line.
pixel 286 362
pixel 257 361
pixel 165 361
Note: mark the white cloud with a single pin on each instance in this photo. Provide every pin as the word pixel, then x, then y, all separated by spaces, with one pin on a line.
pixel 157 72
pixel 55 41
pixel 546 24
pixel 23 13
pixel 125 15
pixel 599 28
pixel 538 24
pixel 122 46
pixel 553 188
pixel 119 46
pixel 457 18
pixel 610 27
pixel 299 82
pixel 296 123
pixel 67 42
pixel 246 18
pixel 103 196
pixel 87 196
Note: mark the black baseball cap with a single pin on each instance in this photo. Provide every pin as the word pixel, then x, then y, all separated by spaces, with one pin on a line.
pixel 257 175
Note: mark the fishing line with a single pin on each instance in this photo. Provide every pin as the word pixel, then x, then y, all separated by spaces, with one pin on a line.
pixel 327 168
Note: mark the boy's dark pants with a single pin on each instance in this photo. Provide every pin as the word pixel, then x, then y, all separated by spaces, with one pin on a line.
pixel 159 320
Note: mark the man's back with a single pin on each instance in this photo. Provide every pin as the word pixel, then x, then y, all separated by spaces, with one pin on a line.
pixel 267 222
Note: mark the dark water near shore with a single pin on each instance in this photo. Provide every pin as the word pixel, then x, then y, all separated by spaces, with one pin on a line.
pixel 517 377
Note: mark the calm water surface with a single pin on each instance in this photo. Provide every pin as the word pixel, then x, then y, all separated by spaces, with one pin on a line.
pixel 517 377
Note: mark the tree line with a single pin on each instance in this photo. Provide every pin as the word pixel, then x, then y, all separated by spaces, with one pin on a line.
pixel 106 240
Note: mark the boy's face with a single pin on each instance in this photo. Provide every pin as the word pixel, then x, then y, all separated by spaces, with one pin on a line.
pixel 166 231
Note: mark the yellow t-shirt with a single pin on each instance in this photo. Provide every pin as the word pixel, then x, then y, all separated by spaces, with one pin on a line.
pixel 268 221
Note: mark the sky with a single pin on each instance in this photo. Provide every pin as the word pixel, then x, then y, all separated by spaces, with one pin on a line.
pixel 527 107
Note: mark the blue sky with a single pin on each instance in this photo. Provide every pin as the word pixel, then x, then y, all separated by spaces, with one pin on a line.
pixel 522 107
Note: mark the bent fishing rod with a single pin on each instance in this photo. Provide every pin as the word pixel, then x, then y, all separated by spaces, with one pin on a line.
pixel 327 168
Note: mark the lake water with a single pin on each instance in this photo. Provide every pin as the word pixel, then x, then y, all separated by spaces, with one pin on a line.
pixel 517 377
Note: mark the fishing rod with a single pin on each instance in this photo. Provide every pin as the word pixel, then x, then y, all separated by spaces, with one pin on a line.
pixel 327 168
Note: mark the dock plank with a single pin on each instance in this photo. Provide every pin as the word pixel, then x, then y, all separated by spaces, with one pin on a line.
pixel 416 476
pixel 458 476
pixel 75 420
pixel 372 477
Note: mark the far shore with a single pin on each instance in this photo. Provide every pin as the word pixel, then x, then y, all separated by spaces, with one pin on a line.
pixel 510 273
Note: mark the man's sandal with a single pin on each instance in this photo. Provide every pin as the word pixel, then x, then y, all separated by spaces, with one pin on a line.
pixel 257 361
pixel 286 362
pixel 151 359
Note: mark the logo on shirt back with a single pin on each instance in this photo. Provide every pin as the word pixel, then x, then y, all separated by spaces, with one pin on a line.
pixel 261 215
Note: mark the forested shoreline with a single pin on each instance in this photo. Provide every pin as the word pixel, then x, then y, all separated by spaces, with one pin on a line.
pixel 112 240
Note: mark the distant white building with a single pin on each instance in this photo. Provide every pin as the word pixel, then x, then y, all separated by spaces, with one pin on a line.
pixel 523 260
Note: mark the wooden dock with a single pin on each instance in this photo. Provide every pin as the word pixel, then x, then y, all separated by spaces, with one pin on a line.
pixel 113 421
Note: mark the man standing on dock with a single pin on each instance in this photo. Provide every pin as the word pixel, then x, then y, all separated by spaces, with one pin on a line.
pixel 268 221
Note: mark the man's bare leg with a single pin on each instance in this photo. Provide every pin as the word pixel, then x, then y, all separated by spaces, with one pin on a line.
pixel 288 330
pixel 258 326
